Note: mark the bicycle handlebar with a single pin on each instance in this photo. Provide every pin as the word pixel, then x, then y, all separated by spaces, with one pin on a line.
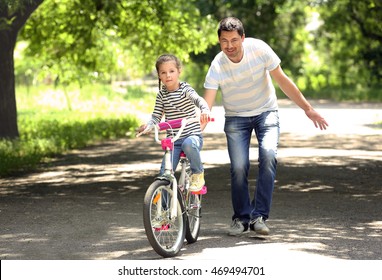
pixel 172 124
pixel 177 123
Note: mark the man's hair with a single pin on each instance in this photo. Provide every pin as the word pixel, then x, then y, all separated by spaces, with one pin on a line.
pixel 231 24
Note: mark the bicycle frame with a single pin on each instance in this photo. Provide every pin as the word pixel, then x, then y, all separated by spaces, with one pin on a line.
pixel 167 146
pixel 171 212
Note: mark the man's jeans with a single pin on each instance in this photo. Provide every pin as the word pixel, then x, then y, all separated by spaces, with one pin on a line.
pixel 238 132
pixel 191 146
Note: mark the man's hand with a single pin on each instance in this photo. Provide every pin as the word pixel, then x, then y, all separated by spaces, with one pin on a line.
pixel 317 119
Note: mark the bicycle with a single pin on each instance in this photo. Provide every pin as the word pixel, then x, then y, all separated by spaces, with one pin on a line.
pixel 171 212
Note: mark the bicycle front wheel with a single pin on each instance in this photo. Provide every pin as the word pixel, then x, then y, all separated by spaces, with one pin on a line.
pixel 166 234
pixel 194 212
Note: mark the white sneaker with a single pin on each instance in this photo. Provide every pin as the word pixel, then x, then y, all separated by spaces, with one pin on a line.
pixel 258 225
pixel 197 182
pixel 237 228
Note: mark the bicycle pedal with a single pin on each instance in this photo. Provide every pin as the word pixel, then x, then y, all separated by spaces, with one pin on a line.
pixel 202 191
pixel 163 227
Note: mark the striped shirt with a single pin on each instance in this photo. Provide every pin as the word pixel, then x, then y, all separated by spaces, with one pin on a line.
pixel 247 88
pixel 180 103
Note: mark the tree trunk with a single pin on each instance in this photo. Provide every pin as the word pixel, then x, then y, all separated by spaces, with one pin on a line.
pixel 12 19
pixel 8 111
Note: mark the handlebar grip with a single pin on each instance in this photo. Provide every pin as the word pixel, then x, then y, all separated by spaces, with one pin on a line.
pixel 177 123
pixel 170 124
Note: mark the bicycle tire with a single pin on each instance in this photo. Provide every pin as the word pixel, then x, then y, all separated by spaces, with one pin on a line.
pixel 194 212
pixel 165 235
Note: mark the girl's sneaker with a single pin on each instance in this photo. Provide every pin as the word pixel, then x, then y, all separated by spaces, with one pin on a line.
pixel 197 182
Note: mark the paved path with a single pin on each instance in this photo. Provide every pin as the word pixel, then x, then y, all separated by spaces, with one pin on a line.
pixel 327 202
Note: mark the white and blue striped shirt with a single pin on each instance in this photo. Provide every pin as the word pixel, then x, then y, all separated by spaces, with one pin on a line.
pixel 177 104
pixel 247 88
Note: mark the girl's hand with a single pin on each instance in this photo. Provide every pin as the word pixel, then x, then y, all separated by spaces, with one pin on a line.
pixel 205 118
pixel 143 129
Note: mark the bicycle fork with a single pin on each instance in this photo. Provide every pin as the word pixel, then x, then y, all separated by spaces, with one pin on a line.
pixel 169 173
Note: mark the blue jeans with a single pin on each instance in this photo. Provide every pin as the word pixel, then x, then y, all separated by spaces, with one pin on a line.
pixel 191 146
pixel 238 131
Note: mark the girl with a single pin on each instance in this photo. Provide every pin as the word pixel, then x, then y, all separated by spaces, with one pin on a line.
pixel 176 100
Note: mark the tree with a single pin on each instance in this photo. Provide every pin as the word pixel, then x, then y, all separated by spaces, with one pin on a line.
pixel 13 15
pixel 279 23
pixel 83 39
pixel 80 37
pixel 351 37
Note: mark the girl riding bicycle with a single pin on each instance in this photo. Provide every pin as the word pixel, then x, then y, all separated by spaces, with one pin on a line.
pixel 176 100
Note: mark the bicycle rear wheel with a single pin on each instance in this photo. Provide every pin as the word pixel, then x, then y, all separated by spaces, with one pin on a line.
pixel 194 212
pixel 166 234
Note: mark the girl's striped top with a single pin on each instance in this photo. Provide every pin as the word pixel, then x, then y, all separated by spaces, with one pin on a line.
pixel 181 103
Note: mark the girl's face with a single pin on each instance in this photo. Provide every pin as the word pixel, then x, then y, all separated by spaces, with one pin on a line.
pixel 169 75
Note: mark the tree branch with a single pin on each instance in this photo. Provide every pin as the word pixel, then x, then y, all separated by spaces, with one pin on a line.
pixel 361 23
pixel 22 14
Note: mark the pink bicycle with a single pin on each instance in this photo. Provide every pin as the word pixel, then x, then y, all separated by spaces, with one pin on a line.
pixel 171 212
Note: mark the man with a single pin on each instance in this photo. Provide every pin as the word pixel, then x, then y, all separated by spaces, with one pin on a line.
pixel 244 70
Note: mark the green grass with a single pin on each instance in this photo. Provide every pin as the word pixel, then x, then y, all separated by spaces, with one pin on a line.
pixel 51 122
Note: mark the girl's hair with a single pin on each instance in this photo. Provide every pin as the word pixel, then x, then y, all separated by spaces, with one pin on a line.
pixel 165 58
pixel 231 24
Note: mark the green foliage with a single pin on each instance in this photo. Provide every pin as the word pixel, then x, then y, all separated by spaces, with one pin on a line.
pixel 68 41
pixel 41 139
pixel 13 5
pixel 72 40
pixel 355 94
pixel 350 39
pixel 48 129
pixel 78 41
pixel 279 23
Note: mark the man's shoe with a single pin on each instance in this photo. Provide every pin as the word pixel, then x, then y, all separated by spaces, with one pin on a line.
pixel 197 182
pixel 258 225
pixel 238 228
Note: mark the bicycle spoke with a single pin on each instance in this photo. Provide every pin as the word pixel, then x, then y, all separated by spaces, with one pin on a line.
pixel 165 235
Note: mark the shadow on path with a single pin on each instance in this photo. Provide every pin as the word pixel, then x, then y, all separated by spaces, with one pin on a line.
pixel 88 204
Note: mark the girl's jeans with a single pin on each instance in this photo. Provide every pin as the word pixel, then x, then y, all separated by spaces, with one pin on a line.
pixel 191 146
pixel 238 132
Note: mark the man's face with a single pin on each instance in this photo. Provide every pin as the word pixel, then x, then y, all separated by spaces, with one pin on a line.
pixel 231 43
